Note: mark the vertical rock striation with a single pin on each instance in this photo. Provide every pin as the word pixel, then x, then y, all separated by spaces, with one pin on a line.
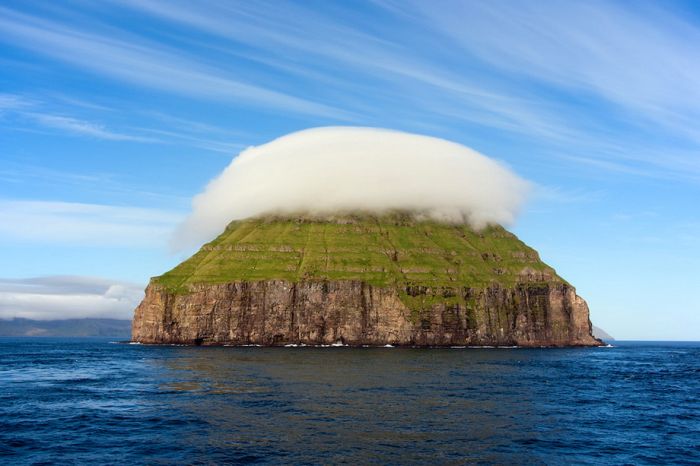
pixel 486 289
pixel 277 312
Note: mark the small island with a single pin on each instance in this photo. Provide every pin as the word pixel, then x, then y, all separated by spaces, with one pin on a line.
pixel 363 280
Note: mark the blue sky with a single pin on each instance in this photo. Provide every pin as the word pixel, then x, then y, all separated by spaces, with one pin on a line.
pixel 114 114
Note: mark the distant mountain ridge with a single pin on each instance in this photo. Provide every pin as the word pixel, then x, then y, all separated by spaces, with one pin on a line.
pixel 602 334
pixel 88 327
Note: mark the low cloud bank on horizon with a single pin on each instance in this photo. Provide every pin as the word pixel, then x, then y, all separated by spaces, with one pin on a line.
pixel 68 297
pixel 337 169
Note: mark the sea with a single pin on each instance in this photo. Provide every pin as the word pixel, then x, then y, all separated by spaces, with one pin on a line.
pixel 97 401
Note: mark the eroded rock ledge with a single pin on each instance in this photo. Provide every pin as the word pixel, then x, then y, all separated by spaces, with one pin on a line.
pixel 279 312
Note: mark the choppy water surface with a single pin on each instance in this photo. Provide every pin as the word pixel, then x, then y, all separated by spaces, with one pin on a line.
pixel 90 401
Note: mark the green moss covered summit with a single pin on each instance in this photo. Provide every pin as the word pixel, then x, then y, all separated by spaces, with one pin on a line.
pixel 388 250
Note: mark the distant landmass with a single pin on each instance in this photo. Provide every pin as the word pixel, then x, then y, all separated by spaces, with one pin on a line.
pixel 116 328
pixel 602 334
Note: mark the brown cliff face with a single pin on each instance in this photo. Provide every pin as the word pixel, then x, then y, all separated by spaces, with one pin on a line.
pixel 363 280
pixel 278 312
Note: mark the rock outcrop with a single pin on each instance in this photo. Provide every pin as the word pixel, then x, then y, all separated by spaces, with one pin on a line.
pixel 354 313
pixel 532 307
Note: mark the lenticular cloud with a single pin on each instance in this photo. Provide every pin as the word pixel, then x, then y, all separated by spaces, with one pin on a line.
pixel 339 169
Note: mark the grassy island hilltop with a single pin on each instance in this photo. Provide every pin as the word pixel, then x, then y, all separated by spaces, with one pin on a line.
pixel 388 250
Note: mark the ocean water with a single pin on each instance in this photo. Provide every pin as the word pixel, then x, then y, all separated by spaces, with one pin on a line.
pixel 89 401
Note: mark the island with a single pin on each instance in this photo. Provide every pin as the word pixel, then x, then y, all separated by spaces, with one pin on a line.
pixel 363 280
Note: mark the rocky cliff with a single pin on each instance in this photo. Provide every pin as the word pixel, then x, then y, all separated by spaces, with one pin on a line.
pixel 363 280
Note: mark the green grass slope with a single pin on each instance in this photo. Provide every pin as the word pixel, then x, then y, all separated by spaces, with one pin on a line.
pixel 388 250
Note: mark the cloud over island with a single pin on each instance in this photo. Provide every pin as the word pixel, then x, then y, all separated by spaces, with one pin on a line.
pixel 332 169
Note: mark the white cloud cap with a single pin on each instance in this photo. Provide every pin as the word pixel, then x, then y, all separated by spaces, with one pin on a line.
pixel 325 170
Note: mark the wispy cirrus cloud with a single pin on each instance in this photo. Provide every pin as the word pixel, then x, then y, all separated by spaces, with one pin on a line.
pixel 587 75
pixel 583 77
pixel 626 56
pixel 85 128
pixel 22 107
pixel 14 102
pixel 92 183
pixel 146 64
pixel 401 75
pixel 52 222
pixel 202 142
pixel 68 297
pixel 30 113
